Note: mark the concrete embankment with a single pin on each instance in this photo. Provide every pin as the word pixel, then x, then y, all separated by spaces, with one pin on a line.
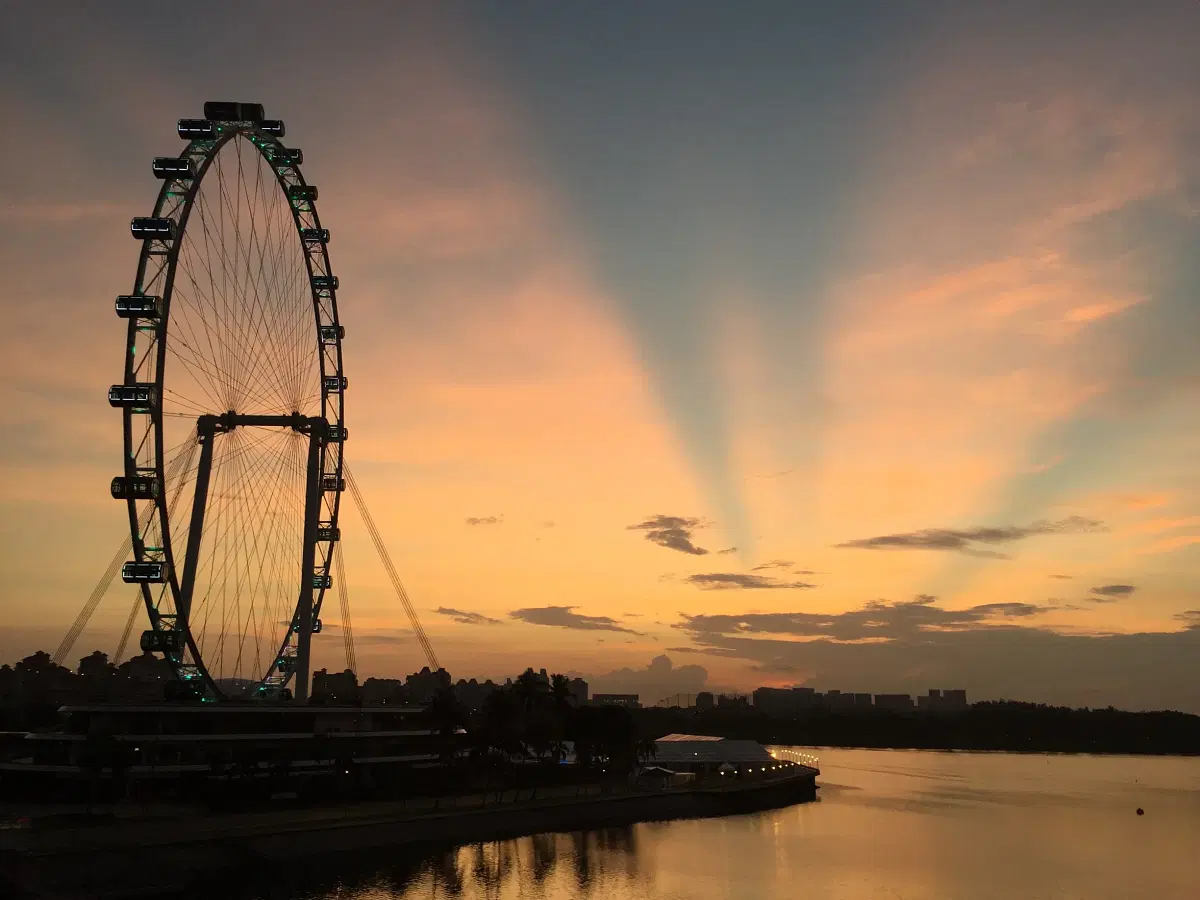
pixel 152 858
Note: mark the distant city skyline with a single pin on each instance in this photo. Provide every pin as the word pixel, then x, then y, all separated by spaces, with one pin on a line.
pixel 850 346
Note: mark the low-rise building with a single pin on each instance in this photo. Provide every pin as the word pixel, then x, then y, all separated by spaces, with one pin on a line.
pixel 629 701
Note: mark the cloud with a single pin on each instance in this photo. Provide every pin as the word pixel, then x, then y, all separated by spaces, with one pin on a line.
pixel 875 620
pixel 728 550
pixel 660 679
pixel 672 532
pixel 1190 619
pixel 774 564
pixel 1108 593
pixel 724 581
pixel 993 651
pixel 465 617
pixel 563 617
pixel 960 540
pixel 484 520
pixel 1064 577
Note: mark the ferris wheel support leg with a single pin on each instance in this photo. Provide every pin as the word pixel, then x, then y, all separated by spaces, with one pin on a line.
pixel 312 516
pixel 196 526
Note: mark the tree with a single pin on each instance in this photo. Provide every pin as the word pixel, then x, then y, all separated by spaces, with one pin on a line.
pixel 528 690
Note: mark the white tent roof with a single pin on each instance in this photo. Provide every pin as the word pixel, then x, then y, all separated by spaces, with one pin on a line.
pixel 683 749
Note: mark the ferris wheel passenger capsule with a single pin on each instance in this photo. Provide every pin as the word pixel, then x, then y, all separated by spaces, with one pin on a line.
pixel 137 488
pixel 152 228
pixel 327 282
pixel 143 573
pixel 302 193
pixel 331 334
pixel 273 127
pixel 133 396
pixel 139 306
pixel 173 167
pixel 225 111
pixel 287 156
pixel 335 383
pixel 192 129
pixel 161 642
pixel 315 235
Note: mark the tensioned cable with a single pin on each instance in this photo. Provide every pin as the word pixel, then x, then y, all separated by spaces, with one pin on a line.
pixel 179 463
pixel 386 559
pixel 343 590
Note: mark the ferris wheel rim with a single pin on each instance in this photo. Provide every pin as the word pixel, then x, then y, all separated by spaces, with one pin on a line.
pixel 177 205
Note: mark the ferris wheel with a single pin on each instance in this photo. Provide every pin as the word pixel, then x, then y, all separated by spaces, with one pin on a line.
pixel 233 410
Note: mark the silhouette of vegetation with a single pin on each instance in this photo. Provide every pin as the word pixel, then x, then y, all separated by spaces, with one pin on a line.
pixel 998 725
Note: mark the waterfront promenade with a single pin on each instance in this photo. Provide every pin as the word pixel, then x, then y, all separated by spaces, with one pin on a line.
pixel 111 853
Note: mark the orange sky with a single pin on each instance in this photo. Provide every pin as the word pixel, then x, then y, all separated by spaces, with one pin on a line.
pixel 983 350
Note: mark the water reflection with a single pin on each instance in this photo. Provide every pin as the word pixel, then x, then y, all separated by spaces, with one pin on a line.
pixel 601 863
pixel 582 864
pixel 907 825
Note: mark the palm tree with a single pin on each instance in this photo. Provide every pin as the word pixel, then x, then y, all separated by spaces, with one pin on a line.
pixel 560 690
pixel 447 716
pixel 528 688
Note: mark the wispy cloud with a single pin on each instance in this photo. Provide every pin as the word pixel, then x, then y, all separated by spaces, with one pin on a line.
pixel 1190 619
pixel 465 617
pixel 1108 593
pixel 565 617
pixel 674 533
pixel 725 581
pixel 773 564
pixel 961 540
pixel 484 520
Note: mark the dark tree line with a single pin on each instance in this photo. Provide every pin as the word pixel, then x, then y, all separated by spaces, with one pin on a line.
pixel 533 721
pixel 999 725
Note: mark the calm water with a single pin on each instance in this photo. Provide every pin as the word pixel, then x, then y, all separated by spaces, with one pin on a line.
pixel 891 824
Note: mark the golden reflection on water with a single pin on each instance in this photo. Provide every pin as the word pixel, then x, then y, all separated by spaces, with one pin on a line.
pixel 895 824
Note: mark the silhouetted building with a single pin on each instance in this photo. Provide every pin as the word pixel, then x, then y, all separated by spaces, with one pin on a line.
pixel 629 701
pixel 335 687
pixel 784 701
pixel 384 692
pixel 473 694
pixel 578 689
pixel 839 702
pixel 943 701
pixel 421 686
pixel 954 700
pixel 705 701
pixel 894 702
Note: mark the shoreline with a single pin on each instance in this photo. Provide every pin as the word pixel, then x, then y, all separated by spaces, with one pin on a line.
pixel 111 861
pixel 1009 751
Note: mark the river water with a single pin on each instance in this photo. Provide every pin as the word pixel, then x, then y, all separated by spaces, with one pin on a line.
pixel 904 825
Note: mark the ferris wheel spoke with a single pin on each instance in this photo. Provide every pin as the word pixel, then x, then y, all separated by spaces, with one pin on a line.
pixel 220 366
pixel 235 472
pixel 260 541
pixel 233 334
pixel 192 359
pixel 236 347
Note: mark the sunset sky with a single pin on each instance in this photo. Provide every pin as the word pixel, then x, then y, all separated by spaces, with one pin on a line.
pixel 851 346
